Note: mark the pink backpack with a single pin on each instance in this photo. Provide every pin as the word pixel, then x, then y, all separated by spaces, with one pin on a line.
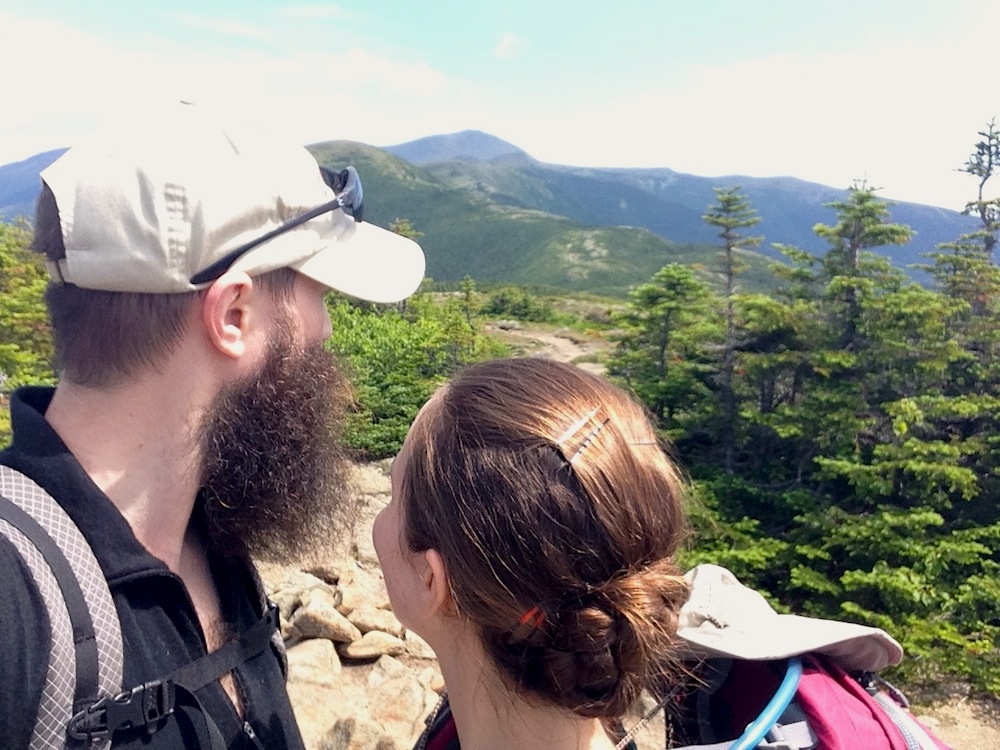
pixel 795 704
pixel 785 682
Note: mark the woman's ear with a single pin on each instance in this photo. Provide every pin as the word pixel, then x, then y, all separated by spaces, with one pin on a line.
pixel 436 585
pixel 225 312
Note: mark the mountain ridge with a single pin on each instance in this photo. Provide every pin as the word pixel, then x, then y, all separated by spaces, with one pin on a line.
pixel 466 144
pixel 671 203
pixel 489 210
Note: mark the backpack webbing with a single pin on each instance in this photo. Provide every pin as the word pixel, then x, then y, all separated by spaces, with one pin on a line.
pixel 82 703
pixel 86 658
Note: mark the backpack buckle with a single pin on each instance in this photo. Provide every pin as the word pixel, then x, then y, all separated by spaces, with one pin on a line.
pixel 139 708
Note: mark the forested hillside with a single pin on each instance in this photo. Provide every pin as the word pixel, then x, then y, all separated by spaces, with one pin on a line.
pixel 842 436
pixel 666 202
pixel 468 234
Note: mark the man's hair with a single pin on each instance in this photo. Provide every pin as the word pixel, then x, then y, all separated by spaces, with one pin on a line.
pixel 102 338
pixel 557 514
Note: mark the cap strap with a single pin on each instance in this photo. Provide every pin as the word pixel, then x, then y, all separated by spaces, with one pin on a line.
pixel 56 270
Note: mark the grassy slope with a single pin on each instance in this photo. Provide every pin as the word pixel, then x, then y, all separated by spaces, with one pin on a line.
pixel 467 232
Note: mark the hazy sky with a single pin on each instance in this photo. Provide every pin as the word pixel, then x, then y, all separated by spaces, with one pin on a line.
pixel 891 92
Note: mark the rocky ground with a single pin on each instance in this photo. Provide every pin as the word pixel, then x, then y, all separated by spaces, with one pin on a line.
pixel 359 681
pixel 965 724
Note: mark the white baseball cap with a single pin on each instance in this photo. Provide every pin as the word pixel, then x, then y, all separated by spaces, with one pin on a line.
pixel 169 204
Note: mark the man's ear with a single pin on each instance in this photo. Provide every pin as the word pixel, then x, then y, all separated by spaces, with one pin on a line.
pixel 436 585
pixel 226 312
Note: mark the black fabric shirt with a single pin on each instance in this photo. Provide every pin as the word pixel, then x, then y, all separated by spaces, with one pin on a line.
pixel 160 628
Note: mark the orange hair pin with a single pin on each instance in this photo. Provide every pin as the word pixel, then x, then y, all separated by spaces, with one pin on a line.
pixel 535 617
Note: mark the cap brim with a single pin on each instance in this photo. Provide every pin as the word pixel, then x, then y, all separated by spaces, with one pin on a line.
pixel 722 617
pixel 368 262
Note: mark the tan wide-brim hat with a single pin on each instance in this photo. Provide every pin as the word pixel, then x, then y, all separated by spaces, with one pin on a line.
pixel 722 617
pixel 148 207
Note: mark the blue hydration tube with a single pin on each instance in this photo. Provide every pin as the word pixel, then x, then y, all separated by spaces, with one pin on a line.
pixel 759 727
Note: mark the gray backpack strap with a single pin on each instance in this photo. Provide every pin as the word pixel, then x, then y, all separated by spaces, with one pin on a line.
pixel 74 589
pixel 796 736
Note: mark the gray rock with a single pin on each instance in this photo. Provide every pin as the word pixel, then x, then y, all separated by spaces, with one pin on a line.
pixel 372 645
pixel 315 661
pixel 385 670
pixel 417 646
pixel 353 734
pixel 361 588
pixel 317 617
pixel 373 478
pixel 366 618
pixel 396 698
pixel 373 701
pixel 328 572
pixel 288 593
pixel 364 552
pixel 430 678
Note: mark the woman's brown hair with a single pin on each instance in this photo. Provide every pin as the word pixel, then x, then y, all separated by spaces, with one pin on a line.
pixel 557 514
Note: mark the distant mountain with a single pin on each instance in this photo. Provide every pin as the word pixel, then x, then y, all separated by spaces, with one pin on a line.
pixel 670 203
pixel 465 233
pixel 19 184
pixel 469 145
pixel 489 210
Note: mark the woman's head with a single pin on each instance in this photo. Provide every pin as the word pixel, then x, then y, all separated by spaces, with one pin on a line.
pixel 557 515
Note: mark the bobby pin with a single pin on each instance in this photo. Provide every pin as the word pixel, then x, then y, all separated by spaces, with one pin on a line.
pixel 587 438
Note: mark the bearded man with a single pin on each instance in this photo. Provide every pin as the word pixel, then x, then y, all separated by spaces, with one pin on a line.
pixel 195 418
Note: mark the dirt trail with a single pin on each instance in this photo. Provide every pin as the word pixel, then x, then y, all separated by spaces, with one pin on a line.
pixel 560 344
pixel 965 724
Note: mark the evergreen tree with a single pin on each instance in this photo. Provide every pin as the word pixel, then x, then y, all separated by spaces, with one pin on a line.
pixel 965 269
pixel 860 492
pixel 657 353
pixel 983 164
pixel 848 265
pixel 730 214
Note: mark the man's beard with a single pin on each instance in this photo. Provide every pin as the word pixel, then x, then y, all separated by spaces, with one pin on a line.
pixel 275 479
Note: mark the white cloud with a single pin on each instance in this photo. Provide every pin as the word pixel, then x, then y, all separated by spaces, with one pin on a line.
pixel 226 26
pixel 311 96
pixel 902 114
pixel 59 81
pixel 361 68
pixel 509 46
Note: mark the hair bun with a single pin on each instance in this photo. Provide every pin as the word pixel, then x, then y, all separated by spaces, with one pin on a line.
pixel 650 597
pixel 597 651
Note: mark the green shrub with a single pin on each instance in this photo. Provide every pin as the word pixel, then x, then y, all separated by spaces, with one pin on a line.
pixel 516 302
pixel 396 359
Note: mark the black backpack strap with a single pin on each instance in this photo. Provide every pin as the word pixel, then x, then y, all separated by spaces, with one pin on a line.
pixel 86 655
pixel 144 707
pixel 277 642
